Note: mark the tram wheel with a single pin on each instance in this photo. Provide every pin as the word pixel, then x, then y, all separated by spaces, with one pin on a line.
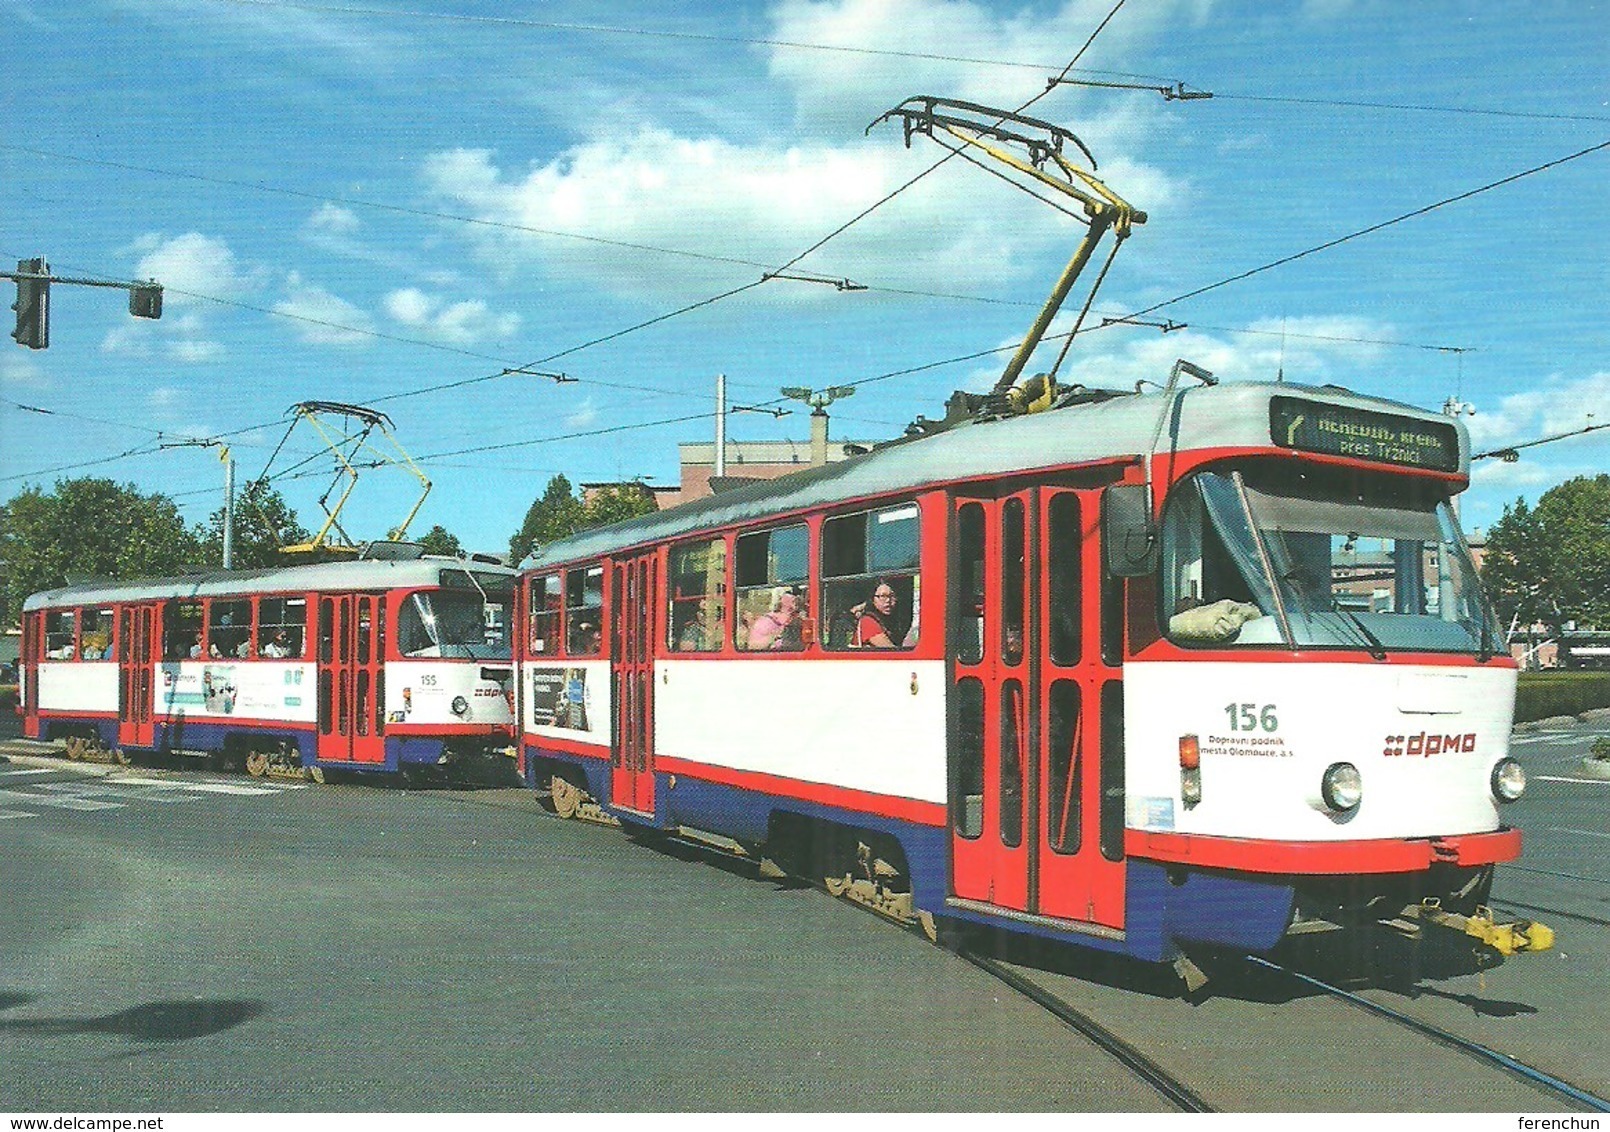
pixel 256 764
pixel 316 773
pixel 566 796
pixel 75 748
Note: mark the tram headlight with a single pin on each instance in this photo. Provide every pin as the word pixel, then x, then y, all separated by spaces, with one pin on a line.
pixel 1342 787
pixel 461 706
pixel 1509 780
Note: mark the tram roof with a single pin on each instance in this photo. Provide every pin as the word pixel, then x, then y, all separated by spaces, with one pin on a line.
pixel 1221 416
pixel 362 574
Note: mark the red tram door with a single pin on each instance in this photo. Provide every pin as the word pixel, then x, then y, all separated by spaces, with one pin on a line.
pixel 631 755
pixel 351 647
pixel 139 641
pixel 1032 800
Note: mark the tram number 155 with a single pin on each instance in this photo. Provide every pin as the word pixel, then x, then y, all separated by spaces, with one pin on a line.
pixel 1251 717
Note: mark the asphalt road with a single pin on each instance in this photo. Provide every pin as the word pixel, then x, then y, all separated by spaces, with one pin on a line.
pixel 195 942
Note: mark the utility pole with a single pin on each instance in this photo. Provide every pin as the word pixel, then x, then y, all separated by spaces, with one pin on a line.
pixel 228 459
pixel 33 279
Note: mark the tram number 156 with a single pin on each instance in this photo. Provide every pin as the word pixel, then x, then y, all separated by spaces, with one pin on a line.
pixel 1251 717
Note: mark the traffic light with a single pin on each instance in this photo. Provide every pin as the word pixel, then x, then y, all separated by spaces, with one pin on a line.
pixel 32 305
pixel 145 300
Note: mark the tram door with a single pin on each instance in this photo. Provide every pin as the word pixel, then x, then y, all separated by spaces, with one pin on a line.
pixel 139 637
pixel 351 655
pixel 32 651
pixel 632 605
pixel 1032 800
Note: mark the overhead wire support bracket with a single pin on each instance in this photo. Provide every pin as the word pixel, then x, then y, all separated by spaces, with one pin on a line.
pixel 840 284
pixel 1167 326
pixel 1176 93
pixel 556 378
pixel 1045 143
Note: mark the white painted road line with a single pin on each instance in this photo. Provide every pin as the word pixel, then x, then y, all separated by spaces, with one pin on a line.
pixel 4 814
pixel 35 770
pixel 1581 781
pixel 205 787
pixel 59 801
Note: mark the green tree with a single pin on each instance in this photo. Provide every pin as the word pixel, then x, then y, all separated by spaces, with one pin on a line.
pixel 617 503
pixel 89 528
pixel 264 522
pixel 439 540
pixel 554 515
pixel 1551 563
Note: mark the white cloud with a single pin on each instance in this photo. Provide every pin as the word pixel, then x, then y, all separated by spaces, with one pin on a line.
pixel 463 323
pixel 584 416
pixel 1310 351
pixel 848 88
pixel 193 265
pixel 750 203
pixel 322 317
pixel 756 199
pixel 19 371
pixel 333 218
pixel 1558 405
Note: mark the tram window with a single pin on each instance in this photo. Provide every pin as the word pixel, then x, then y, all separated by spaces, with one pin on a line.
pixel 1066 778
pixel 1064 576
pixel 96 634
pixel 61 634
pixel 968 617
pixel 544 601
pixel 1014 725
pixel 281 626
pixel 967 760
pixel 772 571
pixel 229 628
pixel 584 610
pixel 871 588
pixel 183 638
pixel 1112 770
pixel 698 596
pixel 1014 579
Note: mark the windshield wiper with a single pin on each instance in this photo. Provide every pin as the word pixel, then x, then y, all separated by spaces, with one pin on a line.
pixel 1376 648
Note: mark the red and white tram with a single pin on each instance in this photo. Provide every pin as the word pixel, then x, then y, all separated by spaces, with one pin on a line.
pixel 367 665
pixel 1143 672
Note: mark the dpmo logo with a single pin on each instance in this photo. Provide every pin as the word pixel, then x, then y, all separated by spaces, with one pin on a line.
pixel 1429 743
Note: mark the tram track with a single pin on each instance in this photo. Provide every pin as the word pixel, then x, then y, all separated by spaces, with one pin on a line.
pixel 1171 1088
pixel 1545 1082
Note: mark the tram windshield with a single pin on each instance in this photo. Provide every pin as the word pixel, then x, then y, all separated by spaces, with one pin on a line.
pixel 459 624
pixel 1320 560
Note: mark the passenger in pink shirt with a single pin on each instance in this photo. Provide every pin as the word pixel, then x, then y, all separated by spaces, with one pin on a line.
pixel 769 629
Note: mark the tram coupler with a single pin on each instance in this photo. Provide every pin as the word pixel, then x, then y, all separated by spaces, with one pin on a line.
pixel 1506 939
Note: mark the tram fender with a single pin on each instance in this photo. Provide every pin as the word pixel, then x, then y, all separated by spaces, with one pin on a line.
pixel 1167 909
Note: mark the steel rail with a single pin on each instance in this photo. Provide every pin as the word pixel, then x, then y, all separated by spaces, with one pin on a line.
pixel 1520 1069
pixel 1170 1087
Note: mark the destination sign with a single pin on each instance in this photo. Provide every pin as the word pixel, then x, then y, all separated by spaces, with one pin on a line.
pixel 1386 438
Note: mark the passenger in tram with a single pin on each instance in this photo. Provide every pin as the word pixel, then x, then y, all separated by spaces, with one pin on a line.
pixel 586 639
pixel 779 627
pixel 278 647
pixel 874 620
pixel 695 635
pixel 195 648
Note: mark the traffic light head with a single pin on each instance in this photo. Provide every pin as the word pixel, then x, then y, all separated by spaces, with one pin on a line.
pixel 32 305
pixel 145 300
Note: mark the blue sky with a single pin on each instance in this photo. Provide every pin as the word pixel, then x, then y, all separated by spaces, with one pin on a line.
pixel 356 201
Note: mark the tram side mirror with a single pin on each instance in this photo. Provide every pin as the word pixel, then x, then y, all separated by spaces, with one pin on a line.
pixel 1128 535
